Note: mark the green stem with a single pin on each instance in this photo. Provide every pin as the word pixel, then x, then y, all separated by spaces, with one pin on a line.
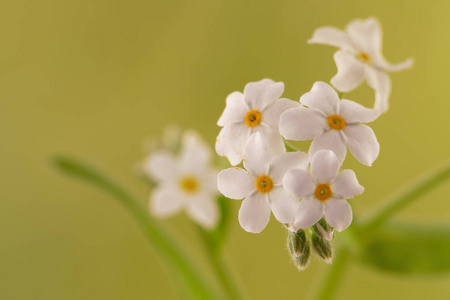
pixel 223 274
pixel 196 287
pixel 407 195
pixel 327 288
pixel 213 242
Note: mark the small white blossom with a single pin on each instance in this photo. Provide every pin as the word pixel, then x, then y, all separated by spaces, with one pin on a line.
pixel 323 192
pixel 360 58
pixel 261 184
pixel 185 182
pixel 333 124
pixel 258 109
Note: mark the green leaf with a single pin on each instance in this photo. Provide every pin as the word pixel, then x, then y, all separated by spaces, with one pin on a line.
pixel 408 249
pixel 194 285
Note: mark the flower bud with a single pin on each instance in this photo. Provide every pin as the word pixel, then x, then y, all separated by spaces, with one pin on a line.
pixel 297 242
pixel 324 230
pixel 322 247
pixel 301 262
pixel 299 248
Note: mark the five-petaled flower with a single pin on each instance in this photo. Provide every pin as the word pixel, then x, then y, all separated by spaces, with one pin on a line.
pixel 360 58
pixel 333 124
pixel 323 192
pixel 258 109
pixel 185 182
pixel 261 184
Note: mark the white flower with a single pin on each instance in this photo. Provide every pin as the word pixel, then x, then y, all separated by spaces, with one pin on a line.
pixel 360 58
pixel 333 124
pixel 186 182
pixel 258 109
pixel 323 192
pixel 261 184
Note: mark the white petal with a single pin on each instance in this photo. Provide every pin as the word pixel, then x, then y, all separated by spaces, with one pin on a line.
pixel 353 112
pixel 330 140
pixel 346 185
pixel 236 183
pixel 299 183
pixel 231 141
pixel 321 97
pixel 204 211
pixel 301 124
pixel 274 139
pixel 324 166
pixel 283 205
pixel 338 213
pixel 350 72
pixel 381 63
pixel 381 83
pixel 309 212
pixel 331 36
pixel 257 154
pixel 271 115
pixel 195 153
pixel 362 143
pixel 365 35
pixel 254 213
pixel 259 94
pixel 161 166
pixel 166 201
pixel 235 109
pixel 286 162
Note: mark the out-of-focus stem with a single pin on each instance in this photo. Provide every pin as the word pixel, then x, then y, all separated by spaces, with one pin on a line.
pixel 213 242
pixel 407 195
pixel 224 275
pixel 195 286
pixel 328 286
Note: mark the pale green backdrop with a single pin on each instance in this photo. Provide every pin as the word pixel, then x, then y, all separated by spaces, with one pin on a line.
pixel 95 78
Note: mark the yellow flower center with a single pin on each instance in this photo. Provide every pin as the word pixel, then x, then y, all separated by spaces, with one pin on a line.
pixel 364 57
pixel 252 118
pixel 264 184
pixel 323 192
pixel 189 184
pixel 336 122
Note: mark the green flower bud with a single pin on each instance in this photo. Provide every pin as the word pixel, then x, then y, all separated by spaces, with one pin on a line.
pixel 324 230
pixel 322 247
pixel 297 242
pixel 301 262
pixel 299 248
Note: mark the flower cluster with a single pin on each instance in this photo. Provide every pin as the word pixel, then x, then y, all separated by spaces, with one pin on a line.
pixel 305 190
pixel 275 182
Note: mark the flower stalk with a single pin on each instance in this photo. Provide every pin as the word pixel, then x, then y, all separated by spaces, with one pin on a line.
pixel 213 242
pixel 330 282
pixel 223 273
pixel 406 196
pixel 194 285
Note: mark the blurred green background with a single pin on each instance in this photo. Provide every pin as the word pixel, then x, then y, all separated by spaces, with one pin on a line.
pixel 96 78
